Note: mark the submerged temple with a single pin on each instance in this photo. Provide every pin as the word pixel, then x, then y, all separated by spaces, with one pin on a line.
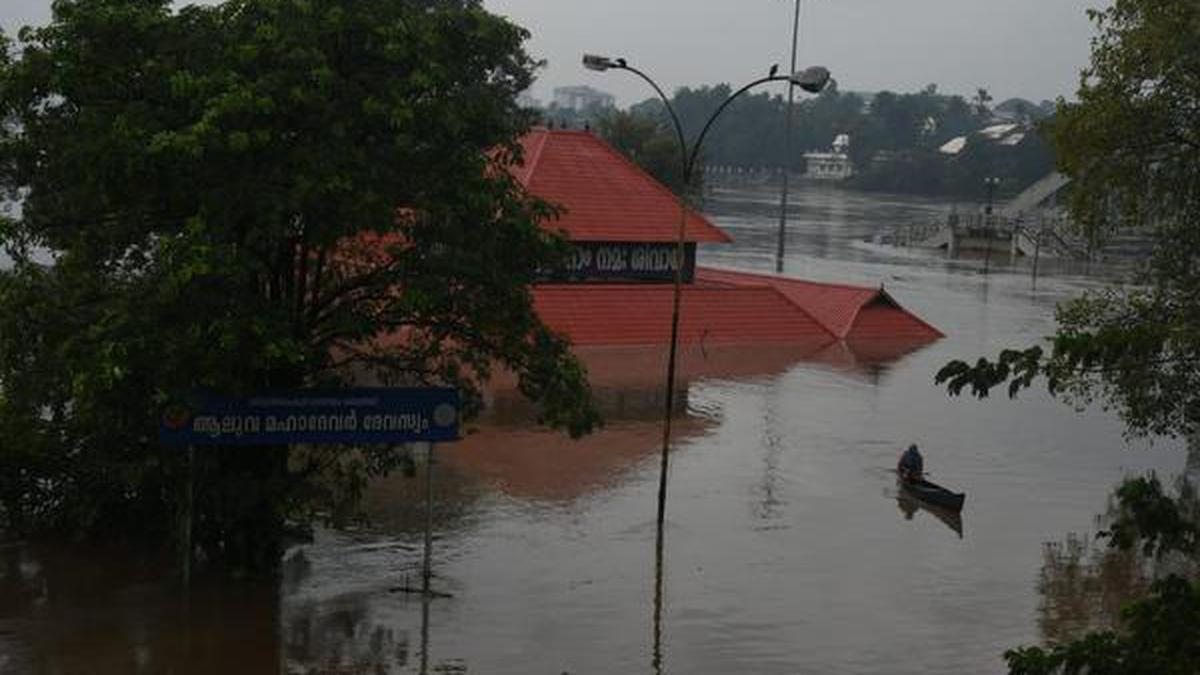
pixel 617 291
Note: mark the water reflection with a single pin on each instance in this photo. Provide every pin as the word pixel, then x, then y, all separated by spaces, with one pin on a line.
pixel 509 453
pixel 910 506
pixel 1084 582
pixel 769 508
pixel 546 466
pixel 343 612
pixel 1083 585
pixel 657 653
pixel 781 557
pixel 869 360
pixel 334 608
pixel 73 609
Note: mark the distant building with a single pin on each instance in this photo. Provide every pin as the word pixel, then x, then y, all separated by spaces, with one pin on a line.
pixel 868 99
pixel 1001 132
pixel 526 100
pixel 1005 134
pixel 582 97
pixel 834 165
pixel 953 146
pixel 1022 111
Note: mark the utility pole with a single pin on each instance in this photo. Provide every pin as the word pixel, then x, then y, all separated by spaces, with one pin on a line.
pixel 787 147
pixel 991 182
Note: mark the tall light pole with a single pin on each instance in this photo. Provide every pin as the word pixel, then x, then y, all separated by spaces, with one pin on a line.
pixel 787 148
pixel 991 182
pixel 812 80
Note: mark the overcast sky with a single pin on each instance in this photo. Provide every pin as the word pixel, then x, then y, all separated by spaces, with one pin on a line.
pixel 1029 48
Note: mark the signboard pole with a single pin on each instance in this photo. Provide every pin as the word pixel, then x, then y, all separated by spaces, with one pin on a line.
pixel 427 570
pixel 351 416
pixel 188 508
pixel 425 634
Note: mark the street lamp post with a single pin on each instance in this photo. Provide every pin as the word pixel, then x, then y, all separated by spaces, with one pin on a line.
pixel 787 149
pixel 991 182
pixel 812 80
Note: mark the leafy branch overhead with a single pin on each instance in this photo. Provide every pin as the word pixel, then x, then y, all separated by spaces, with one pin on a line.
pixel 1018 368
pixel 1138 351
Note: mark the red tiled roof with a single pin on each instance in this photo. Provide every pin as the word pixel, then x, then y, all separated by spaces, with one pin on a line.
pixel 605 196
pixel 884 321
pixel 849 312
pixel 633 314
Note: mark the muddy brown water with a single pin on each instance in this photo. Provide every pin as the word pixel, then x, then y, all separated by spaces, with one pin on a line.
pixel 787 547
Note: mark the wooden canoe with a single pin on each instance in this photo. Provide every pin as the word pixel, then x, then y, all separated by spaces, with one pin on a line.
pixel 935 494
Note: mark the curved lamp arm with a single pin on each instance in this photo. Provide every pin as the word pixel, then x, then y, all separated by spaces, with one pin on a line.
pixel 683 149
pixel 688 156
pixel 695 152
pixel 811 80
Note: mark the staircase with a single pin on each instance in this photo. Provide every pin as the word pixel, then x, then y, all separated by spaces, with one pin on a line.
pixel 1034 197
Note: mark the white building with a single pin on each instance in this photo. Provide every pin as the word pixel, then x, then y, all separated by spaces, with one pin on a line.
pixel 582 97
pixel 526 100
pixel 834 165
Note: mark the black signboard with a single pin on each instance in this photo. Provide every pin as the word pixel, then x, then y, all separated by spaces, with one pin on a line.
pixel 624 261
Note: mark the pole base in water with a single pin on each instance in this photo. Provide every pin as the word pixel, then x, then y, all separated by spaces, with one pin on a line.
pixel 415 590
pixel 423 589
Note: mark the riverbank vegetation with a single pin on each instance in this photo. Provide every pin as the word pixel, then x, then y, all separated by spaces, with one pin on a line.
pixel 209 200
pixel 895 138
pixel 1132 146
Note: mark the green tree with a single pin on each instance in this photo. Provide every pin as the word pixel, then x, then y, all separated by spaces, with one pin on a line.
pixel 646 142
pixel 218 189
pixel 902 130
pixel 1130 145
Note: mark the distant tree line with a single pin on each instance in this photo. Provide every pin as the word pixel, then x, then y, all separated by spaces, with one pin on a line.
pixel 894 137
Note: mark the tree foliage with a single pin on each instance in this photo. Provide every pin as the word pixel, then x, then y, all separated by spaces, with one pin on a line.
pixel 647 143
pixel 218 189
pixel 1158 637
pixel 1129 144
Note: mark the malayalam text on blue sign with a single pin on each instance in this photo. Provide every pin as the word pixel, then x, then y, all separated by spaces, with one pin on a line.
pixel 335 416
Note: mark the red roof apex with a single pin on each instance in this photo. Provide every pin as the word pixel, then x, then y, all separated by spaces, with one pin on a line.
pixel 841 308
pixel 606 197
pixel 633 314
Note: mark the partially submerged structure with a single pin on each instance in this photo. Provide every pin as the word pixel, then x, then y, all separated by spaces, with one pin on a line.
pixel 832 165
pixel 614 302
pixel 1034 223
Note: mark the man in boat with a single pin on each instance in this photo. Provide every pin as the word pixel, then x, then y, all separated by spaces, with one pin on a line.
pixel 912 466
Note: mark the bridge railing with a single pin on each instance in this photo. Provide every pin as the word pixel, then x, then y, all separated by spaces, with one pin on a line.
pixel 1049 233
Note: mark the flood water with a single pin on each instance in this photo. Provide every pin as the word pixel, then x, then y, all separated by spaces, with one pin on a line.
pixel 787 547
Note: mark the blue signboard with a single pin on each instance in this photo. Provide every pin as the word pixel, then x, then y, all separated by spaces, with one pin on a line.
pixel 332 416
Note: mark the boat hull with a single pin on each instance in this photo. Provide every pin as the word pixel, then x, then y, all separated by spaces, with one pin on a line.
pixel 932 493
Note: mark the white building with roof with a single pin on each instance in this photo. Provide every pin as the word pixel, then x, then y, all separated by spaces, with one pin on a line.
pixel 833 165
pixel 582 97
